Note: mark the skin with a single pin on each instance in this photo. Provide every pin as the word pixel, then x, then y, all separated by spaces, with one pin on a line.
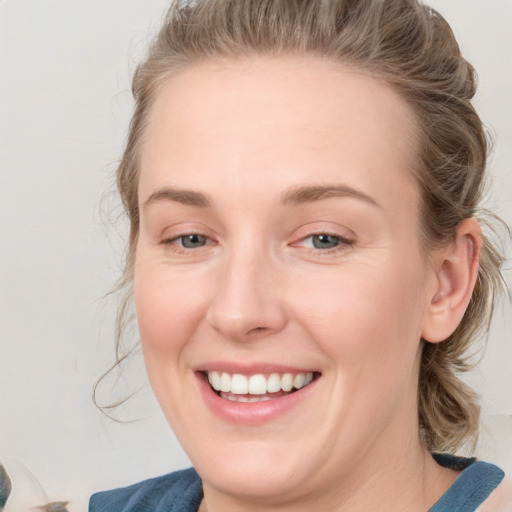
pixel 245 134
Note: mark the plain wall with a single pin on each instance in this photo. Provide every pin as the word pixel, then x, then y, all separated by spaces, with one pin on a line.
pixel 64 108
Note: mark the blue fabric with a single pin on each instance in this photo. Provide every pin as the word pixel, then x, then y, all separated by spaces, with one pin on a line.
pixel 182 491
pixel 472 487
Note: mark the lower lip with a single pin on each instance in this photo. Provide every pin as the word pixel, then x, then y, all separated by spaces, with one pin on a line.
pixel 250 413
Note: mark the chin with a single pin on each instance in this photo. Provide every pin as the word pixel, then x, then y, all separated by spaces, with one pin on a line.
pixel 259 479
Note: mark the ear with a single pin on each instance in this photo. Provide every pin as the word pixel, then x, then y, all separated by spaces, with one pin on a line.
pixel 455 273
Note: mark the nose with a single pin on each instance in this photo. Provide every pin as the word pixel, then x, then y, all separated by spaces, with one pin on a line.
pixel 247 304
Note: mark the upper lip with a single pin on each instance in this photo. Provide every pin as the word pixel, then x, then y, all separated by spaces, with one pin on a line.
pixel 251 369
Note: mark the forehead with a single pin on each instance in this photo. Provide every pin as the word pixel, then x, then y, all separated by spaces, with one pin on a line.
pixel 284 119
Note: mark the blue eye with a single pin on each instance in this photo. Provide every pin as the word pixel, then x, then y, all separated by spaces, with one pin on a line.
pixel 324 241
pixel 192 241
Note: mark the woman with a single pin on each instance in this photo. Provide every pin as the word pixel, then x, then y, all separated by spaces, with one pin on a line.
pixel 302 180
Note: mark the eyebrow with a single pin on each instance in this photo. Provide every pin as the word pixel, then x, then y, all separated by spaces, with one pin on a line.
pixel 308 194
pixel 183 196
pixel 293 196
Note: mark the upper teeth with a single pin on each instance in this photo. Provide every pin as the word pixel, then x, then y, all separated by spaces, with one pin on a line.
pixel 258 384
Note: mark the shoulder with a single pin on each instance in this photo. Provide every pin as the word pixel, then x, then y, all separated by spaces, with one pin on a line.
pixel 181 490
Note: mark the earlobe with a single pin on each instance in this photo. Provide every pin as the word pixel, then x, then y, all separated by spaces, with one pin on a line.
pixel 456 271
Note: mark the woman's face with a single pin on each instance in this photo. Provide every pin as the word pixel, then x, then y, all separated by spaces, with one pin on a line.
pixel 279 243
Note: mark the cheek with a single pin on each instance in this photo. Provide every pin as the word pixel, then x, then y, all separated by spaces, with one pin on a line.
pixel 368 322
pixel 168 310
pixel 372 313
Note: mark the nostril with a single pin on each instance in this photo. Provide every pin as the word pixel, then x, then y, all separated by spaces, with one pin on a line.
pixel 256 330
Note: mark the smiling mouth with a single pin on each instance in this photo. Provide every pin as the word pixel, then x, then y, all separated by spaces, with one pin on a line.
pixel 258 387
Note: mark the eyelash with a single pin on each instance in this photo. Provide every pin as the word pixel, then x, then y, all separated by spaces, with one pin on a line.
pixel 172 242
pixel 341 245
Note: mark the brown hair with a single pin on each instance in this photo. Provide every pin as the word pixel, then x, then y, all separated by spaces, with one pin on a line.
pixel 405 44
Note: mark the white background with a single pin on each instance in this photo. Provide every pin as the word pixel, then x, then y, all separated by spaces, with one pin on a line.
pixel 64 108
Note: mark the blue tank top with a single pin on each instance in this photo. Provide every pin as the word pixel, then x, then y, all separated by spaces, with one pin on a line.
pixel 472 487
pixel 182 491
